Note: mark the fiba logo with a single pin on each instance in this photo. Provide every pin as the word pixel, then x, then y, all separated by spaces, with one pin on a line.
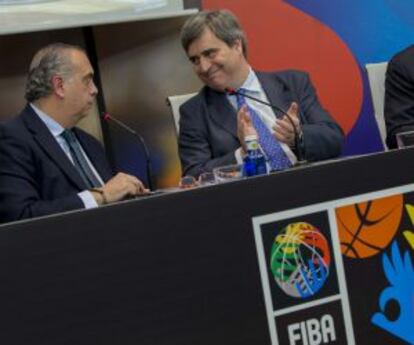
pixel 300 260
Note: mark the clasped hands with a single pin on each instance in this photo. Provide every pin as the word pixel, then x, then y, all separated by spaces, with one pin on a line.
pixel 282 129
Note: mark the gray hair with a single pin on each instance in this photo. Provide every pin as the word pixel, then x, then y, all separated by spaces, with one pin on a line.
pixel 47 62
pixel 222 23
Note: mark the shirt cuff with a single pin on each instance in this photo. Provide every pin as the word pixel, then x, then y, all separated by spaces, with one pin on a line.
pixel 88 199
pixel 239 155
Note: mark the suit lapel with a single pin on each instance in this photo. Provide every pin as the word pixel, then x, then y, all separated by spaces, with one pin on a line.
pixel 221 111
pixel 277 93
pixel 224 115
pixel 50 146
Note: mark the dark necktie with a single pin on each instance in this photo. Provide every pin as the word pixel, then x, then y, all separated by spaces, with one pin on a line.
pixel 79 160
pixel 277 158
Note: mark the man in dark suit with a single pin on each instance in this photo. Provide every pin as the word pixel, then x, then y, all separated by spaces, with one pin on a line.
pixel 399 95
pixel 213 125
pixel 47 165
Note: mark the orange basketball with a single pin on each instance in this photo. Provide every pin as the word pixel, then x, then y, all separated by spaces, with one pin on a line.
pixel 365 229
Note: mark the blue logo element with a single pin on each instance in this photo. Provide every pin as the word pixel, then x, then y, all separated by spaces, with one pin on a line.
pixel 400 274
pixel 313 281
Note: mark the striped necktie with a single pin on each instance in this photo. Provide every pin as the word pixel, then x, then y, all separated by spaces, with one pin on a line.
pixel 79 160
pixel 276 156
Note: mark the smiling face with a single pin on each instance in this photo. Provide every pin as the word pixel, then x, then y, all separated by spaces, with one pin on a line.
pixel 217 64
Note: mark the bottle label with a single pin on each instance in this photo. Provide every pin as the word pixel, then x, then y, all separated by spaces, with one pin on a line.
pixel 255 161
pixel 252 145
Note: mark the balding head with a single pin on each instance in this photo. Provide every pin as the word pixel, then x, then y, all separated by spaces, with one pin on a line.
pixel 51 60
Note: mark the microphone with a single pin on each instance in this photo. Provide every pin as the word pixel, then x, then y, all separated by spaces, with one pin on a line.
pixel 296 144
pixel 106 117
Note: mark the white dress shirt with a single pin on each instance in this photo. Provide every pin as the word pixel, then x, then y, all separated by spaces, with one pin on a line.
pixel 254 88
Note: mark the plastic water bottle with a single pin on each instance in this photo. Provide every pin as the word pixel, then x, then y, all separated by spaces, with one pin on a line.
pixel 255 162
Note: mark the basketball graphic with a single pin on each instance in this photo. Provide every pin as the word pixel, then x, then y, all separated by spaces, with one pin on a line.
pixel 366 228
pixel 300 260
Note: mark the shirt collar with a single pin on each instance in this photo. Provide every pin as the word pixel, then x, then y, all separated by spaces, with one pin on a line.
pixel 55 128
pixel 252 84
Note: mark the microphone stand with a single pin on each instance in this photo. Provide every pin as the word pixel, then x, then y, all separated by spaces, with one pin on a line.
pixel 108 118
pixel 300 160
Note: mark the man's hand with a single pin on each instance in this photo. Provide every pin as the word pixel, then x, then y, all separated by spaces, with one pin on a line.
pixel 283 129
pixel 244 125
pixel 119 187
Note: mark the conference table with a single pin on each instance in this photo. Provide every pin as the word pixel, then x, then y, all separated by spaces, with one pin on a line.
pixel 319 254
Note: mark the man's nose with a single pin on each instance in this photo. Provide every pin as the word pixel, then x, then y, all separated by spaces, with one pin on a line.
pixel 94 89
pixel 204 65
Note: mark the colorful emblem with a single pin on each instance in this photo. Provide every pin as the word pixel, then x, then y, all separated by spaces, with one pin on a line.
pixel 300 260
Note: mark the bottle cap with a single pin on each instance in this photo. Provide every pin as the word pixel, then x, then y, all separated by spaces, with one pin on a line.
pixel 251 137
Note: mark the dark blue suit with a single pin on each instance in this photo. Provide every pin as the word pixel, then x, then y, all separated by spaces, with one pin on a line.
pixel 399 95
pixel 208 123
pixel 36 176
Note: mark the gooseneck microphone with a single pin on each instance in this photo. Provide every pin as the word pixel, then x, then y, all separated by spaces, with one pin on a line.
pixel 298 149
pixel 108 118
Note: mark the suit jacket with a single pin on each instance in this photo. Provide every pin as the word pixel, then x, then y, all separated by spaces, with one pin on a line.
pixel 399 95
pixel 208 123
pixel 36 176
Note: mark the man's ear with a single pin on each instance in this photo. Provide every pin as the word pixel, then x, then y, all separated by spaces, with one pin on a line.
pixel 57 83
pixel 238 45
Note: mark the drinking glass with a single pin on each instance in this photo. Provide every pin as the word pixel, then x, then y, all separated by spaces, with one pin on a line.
pixel 206 178
pixel 228 173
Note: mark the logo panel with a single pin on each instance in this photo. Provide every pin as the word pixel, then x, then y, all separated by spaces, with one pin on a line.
pixel 300 259
pixel 300 278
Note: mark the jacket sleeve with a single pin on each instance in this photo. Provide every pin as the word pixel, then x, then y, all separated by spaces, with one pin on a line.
pixel 399 100
pixel 194 145
pixel 19 187
pixel 323 138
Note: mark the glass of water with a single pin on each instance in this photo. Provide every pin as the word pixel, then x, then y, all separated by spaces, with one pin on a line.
pixel 228 173
pixel 206 178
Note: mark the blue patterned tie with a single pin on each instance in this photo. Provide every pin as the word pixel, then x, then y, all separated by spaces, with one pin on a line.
pixel 277 158
pixel 79 160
